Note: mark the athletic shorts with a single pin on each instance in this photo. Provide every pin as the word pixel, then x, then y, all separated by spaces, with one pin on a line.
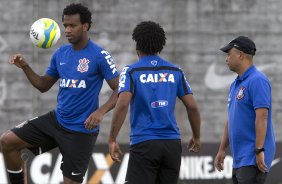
pixel 248 175
pixel 45 133
pixel 154 162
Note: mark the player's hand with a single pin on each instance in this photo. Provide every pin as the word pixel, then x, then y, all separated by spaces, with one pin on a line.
pixel 219 160
pixel 194 145
pixel 115 151
pixel 18 60
pixel 260 162
pixel 93 120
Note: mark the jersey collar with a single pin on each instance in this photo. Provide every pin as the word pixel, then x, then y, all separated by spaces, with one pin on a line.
pixel 149 58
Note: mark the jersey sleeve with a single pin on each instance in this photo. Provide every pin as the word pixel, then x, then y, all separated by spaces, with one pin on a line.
pixel 125 81
pixel 183 86
pixel 260 92
pixel 107 66
pixel 52 69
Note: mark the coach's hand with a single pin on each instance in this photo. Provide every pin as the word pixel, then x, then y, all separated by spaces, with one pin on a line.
pixel 219 160
pixel 93 120
pixel 115 151
pixel 260 162
pixel 194 145
pixel 18 60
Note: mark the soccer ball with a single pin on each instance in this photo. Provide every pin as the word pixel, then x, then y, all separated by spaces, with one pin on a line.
pixel 44 33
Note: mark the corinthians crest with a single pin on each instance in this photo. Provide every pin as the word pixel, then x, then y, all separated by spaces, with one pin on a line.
pixel 83 65
pixel 241 94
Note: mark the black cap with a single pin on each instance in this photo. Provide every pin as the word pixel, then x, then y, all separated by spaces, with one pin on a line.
pixel 241 43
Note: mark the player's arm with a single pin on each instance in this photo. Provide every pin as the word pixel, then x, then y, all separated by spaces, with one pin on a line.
pixel 194 119
pixel 261 126
pixel 96 117
pixel 42 83
pixel 117 121
pixel 219 159
pixel 111 102
pixel 260 91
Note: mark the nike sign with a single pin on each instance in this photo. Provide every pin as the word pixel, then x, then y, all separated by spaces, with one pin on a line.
pixel 216 81
pixel 74 174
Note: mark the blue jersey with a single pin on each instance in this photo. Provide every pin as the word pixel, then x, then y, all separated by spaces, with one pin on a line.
pixel 81 74
pixel 154 84
pixel 247 93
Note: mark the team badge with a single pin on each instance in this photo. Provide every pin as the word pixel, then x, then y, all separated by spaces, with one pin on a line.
pixel 154 62
pixel 241 94
pixel 83 65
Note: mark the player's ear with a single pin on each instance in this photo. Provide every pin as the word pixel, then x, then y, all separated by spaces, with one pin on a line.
pixel 242 55
pixel 85 26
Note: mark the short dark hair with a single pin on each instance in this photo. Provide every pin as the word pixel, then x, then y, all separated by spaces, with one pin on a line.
pixel 78 8
pixel 149 37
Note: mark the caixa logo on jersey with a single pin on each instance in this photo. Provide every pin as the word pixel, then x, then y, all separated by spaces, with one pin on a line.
pixel 159 103
pixel 157 77
pixel 72 83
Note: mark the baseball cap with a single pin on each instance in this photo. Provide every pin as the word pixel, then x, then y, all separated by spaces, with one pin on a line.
pixel 241 43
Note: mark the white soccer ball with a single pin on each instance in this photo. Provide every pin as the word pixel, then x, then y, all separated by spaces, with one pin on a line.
pixel 44 33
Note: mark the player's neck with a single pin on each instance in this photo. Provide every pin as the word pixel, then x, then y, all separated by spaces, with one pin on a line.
pixel 80 45
pixel 245 66
pixel 141 54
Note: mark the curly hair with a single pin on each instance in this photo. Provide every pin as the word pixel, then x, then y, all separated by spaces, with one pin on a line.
pixel 77 8
pixel 149 37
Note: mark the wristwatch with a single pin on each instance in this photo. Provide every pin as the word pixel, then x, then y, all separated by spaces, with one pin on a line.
pixel 258 150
